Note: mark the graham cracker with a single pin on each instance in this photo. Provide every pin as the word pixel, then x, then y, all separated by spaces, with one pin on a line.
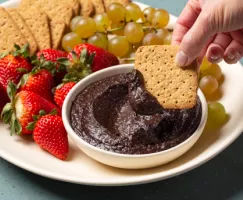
pixel 25 4
pixel 122 2
pixel 74 4
pixel 87 8
pixel 38 23
pixel 57 11
pixel 98 6
pixel 24 29
pixel 9 33
pixel 173 86
pixel 57 31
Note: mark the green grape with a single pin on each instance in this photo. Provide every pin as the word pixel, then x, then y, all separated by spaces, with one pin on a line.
pixel 152 39
pixel 119 46
pixel 217 115
pixel 70 40
pixel 208 85
pixel 168 38
pixel 99 40
pixel 162 33
pixel 134 32
pixel 74 22
pixel 148 14
pixel 133 12
pixel 160 18
pixel 85 27
pixel 116 12
pixel 205 64
pixel 102 22
pixel 213 70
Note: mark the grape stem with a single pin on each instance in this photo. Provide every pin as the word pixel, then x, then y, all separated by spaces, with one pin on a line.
pixel 115 29
pixel 145 28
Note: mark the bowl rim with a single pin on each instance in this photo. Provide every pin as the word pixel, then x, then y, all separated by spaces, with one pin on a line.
pixel 75 138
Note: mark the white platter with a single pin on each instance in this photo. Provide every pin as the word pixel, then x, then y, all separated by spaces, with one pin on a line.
pixel 83 170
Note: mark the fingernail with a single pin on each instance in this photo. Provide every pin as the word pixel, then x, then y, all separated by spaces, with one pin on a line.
pixel 181 59
pixel 215 56
pixel 233 54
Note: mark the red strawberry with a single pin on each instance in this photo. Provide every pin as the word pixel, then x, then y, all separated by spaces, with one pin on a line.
pixel 61 92
pixel 12 68
pixel 102 58
pixel 49 133
pixel 23 107
pixel 3 98
pixel 52 55
pixel 38 81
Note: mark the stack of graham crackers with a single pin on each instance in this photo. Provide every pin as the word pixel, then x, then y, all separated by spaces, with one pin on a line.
pixel 42 23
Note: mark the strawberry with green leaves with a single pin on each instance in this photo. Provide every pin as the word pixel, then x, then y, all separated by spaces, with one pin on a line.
pixel 50 134
pixel 13 66
pixel 102 58
pixel 79 68
pixel 75 72
pixel 39 81
pixel 23 106
pixel 52 55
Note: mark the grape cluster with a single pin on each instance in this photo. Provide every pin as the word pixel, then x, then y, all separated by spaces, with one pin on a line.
pixel 210 80
pixel 121 30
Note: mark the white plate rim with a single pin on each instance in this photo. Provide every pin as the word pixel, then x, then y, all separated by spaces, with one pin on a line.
pixel 128 181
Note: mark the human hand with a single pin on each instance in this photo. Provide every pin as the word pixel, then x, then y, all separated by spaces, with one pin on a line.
pixel 210 27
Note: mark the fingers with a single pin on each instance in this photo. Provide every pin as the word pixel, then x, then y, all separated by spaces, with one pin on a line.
pixel 185 21
pixel 215 51
pixel 233 53
pixel 194 40
pixel 204 50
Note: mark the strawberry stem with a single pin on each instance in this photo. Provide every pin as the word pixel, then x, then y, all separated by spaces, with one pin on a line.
pixel 7 113
pixel 11 90
pixel 24 51
pixel 31 125
pixel 42 63
pixel 80 66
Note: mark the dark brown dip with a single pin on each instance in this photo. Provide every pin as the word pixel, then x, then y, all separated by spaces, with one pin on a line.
pixel 117 114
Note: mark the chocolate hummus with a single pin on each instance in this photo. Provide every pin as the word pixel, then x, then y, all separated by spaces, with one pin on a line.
pixel 117 114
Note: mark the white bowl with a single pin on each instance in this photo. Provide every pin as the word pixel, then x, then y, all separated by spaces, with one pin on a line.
pixel 121 160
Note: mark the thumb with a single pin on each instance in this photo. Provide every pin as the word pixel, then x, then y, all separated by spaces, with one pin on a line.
pixel 195 39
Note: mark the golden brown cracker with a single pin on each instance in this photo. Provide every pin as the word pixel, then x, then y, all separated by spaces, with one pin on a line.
pixel 57 11
pixel 87 8
pixel 122 2
pixel 9 33
pixel 57 32
pixel 74 4
pixel 25 4
pixel 38 23
pixel 98 6
pixel 173 86
pixel 24 29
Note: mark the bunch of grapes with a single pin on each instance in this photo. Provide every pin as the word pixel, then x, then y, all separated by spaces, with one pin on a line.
pixel 121 30
pixel 210 79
